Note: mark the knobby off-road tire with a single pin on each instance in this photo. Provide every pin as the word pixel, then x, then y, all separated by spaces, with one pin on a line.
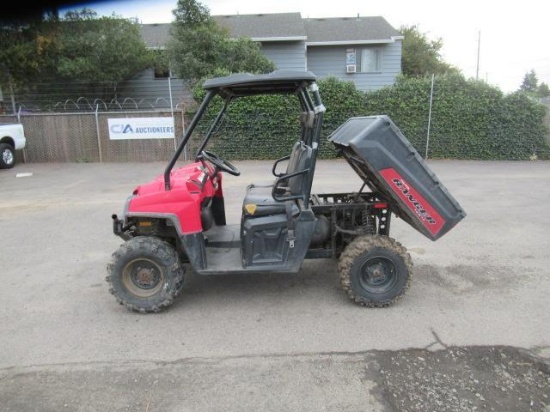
pixel 7 156
pixel 375 271
pixel 145 274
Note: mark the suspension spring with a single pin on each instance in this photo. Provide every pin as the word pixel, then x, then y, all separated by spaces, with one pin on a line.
pixel 369 222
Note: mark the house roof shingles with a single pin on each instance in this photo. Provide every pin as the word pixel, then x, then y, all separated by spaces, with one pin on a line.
pixel 289 26
pixel 264 26
pixel 348 29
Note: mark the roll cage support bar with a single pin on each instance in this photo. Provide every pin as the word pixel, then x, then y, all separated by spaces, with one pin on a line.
pixel 202 108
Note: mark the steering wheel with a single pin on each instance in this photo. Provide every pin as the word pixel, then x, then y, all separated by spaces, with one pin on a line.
pixel 220 163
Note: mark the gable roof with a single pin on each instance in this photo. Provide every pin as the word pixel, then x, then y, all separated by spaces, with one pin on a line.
pixel 291 27
pixel 342 30
pixel 264 27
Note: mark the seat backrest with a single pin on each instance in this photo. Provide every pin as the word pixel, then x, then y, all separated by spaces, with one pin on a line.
pixel 300 160
pixel 295 154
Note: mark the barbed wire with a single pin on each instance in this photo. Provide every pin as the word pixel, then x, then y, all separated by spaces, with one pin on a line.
pixel 83 104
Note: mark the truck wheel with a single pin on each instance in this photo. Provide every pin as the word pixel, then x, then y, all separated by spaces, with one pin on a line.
pixel 375 271
pixel 7 156
pixel 145 274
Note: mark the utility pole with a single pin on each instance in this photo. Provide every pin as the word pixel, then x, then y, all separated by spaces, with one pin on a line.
pixel 478 48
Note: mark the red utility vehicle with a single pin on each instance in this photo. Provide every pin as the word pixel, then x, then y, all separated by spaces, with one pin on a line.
pixel 179 218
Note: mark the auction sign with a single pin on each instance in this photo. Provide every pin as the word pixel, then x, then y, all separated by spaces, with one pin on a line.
pixel 141 128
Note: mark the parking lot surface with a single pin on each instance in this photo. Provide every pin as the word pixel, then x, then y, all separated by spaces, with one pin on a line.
pixel 471 333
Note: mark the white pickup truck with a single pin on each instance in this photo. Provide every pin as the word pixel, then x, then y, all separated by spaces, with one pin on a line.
pixel 12 138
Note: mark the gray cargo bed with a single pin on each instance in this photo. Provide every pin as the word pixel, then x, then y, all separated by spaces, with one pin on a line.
pixel 387 162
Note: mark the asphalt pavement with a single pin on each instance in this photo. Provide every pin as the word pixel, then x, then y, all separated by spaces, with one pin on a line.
pixel 471 333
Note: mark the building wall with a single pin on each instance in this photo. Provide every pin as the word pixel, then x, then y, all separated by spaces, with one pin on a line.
pixel 149 92
pixel 286 55
pixel 331 60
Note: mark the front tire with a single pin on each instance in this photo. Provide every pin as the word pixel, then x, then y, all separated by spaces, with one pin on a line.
pixel 7 156
pixel 375 271
pixel 145 274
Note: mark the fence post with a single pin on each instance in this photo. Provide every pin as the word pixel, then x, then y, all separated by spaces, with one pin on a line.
pixel 430 117
pixel 97 132
pixel 19 121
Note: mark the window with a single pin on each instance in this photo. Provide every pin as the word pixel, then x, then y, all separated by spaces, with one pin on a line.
pixel 370 60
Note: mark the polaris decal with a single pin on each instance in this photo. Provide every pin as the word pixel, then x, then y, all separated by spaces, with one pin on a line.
pixel 414 201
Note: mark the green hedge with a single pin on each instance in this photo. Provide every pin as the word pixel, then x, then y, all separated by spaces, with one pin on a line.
pixel 470 120
pixel 261 127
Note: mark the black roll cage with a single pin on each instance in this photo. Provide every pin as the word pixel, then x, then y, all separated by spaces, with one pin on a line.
pixel 303 84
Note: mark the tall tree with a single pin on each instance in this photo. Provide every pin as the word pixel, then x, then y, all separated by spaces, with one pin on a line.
pixel 199 47
pixel 421 56
pixel 104 50
pixel 80 49
pixel 196 41
pixel 24 51
pixel 530 85
pixel 543 90
pixel 530 82
pixel 191 14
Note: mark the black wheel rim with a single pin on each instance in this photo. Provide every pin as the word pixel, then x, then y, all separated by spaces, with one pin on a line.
pixel 377 274
pixel 142 278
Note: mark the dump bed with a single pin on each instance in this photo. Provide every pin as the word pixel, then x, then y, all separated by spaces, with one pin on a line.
pixel 384 158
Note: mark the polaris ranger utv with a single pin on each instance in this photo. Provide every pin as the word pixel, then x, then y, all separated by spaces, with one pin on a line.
pixel 179 218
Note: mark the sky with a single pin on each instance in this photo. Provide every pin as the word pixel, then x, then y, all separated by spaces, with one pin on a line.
pixel 510 36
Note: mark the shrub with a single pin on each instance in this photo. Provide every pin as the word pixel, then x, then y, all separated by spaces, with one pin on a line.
pixel 469 120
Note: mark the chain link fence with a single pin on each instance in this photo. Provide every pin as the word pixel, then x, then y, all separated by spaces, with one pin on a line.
pixel 547 123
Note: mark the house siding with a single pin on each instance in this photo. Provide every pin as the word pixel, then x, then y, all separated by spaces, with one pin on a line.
pixel 285 51
pixel 331 61
pixel 148 92
pixel 145 90
pixel 286 55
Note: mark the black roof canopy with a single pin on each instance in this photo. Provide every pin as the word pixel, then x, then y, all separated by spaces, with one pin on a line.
pixel 246 84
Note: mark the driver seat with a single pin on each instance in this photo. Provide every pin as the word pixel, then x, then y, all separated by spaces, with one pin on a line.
pixel 288 187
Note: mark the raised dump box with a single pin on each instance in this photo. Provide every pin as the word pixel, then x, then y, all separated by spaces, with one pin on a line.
pixel 387 162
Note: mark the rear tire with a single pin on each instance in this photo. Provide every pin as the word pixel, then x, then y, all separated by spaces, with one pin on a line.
pixel 145 274
pixel 7 156
pixel 375 271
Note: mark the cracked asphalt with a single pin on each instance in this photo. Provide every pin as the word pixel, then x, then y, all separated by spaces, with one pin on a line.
pixel 471 333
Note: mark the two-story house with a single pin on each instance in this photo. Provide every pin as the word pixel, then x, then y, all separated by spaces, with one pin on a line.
pixel 364 50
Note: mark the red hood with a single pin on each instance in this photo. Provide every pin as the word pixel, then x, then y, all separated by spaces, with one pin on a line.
pixel 189 186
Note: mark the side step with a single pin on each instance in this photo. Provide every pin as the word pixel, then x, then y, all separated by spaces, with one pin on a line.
pixel 223 254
